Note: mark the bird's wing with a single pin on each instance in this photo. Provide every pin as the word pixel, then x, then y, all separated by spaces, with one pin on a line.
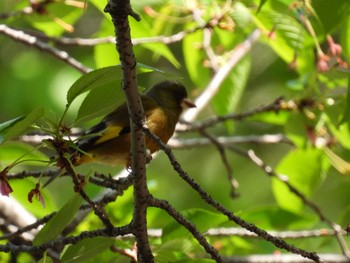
pixel 113 125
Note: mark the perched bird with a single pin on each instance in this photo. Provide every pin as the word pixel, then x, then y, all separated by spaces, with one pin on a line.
pixel 109 141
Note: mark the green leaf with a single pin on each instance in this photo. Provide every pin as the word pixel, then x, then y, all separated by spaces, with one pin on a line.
pixel 331 20
pixel 19 125
pixel 143 30
pixel 108 76
pixel 59 221
pixel 277 118
pixel 163 50
pixel 194 57
pixel 273 217
pixel 174 250
pixel 304 169
pixel 99 102
pixel 345 39
pixel 290 41
pixel 346 113
pixel 13 150
pixel 86 249
pixel 262 2
pixel 342 134
pixel 229 95
pixel 104 95
pixel 59 15
pixel 7 125
pixel 45 259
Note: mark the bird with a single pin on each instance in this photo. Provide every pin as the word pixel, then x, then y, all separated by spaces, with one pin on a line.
pixel 108 142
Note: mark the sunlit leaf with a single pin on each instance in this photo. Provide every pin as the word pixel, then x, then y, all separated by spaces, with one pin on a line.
pixel 305 171
pixel 345 38
pixel 288 39
pixel 99 102
pixel 58 18
pixel 19 125
pixel 230 92
pixel 59 221
pixel 261 4
pixel 86 249
pixel 109 76
pixel 7 125
pixel 194 59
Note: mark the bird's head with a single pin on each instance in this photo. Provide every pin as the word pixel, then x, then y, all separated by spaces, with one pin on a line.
pixel 170 95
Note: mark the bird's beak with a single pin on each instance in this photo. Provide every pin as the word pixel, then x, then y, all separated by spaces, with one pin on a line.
pixel 187 103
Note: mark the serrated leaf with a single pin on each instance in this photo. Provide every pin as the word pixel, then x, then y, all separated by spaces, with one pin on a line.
pixel 290 38
pixel 304 169
pixel 59 221
pixel 86 249
pixel 108 76
pixel 19 125
pixel 99 102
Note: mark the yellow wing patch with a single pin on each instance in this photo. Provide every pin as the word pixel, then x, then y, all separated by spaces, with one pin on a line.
pixel 109 133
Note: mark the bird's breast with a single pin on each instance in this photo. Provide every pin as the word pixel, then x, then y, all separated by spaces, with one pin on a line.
pixel 158 122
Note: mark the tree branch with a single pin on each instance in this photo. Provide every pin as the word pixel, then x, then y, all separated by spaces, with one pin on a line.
pixel 30 40
pixel 189 226
pixel 119 11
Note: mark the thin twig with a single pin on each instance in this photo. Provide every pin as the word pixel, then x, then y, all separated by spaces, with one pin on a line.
pixel 32 41
pixel 60 242
pixel 228 167
pixel 277 105
pixel 28 228
pixel 238 53
pixel 177 37
pixel 181 143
